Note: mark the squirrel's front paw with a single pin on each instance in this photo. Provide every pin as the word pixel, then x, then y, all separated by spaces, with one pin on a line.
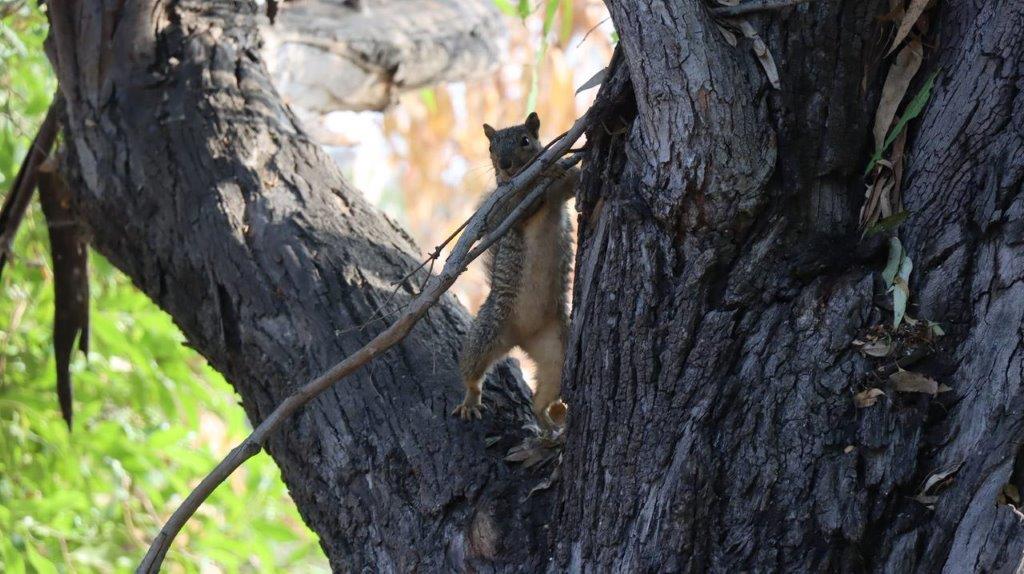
pixel 470 408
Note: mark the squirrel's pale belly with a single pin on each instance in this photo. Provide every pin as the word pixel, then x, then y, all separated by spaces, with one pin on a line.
pixel 546 244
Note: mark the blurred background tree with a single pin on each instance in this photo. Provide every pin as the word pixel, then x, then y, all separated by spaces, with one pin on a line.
pixel 151 416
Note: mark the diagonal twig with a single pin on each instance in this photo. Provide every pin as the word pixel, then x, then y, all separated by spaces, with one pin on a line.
pixel 461 255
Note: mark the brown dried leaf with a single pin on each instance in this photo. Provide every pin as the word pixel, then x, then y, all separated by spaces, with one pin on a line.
pixel 1009 494
pixel 909 19
pixel 911 382
pixel 903 70
pixel 938 480
pixel 546 483
pixel 519 455
pixel 762 53
pixel 927 500
pixel 879 348
pixel 877 194
pixel 867 398
pixel 538 456
pixel 728 35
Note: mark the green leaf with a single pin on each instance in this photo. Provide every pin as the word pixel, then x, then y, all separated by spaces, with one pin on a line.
pixel 39 564
pixel 887 224
pixel 566 16
pixel 549 17
pixel 897 279
pixel 506 7
pixel 901 291
pixel 524 9
pixel 892 266
pixel 914 109
pixel 429 98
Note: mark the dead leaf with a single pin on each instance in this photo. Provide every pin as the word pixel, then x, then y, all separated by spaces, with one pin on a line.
pixel 762 53
pixel 911 382
pixel 539 455
pixel 939 480
pixel 903 70
pixel 518 455
pixel 879 348
pixel 728 35
pixel 935 483
pixel 594 80
pixel 849 448
pixel 1009 494
pixel 909 19
pixel 867 398
pixel 547 482
pixel 871 210
pixel 927 500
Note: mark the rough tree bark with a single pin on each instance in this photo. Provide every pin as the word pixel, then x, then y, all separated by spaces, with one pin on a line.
pixel 196 182
pixel 712 388
pixel 720 284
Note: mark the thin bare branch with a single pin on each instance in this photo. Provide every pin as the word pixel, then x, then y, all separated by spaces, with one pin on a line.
pixel 462 254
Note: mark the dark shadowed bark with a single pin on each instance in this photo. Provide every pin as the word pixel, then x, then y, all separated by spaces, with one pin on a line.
pixel 712 387
pixel 721 282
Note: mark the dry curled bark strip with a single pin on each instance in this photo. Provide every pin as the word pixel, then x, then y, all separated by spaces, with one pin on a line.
pixel 69 251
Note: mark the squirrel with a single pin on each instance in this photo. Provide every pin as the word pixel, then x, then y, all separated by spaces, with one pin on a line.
pixel 528 269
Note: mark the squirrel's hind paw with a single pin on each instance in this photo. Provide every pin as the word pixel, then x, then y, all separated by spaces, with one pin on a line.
pixel 470 408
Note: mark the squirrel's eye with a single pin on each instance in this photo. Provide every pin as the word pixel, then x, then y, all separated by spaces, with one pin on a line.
pixel 526 141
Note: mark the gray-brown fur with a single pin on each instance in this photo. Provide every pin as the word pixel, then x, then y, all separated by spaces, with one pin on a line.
pixel 528 270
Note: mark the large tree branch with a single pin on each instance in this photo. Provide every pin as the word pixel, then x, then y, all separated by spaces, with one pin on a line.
pixel 325 55
pixel 476 239
pixel 196 183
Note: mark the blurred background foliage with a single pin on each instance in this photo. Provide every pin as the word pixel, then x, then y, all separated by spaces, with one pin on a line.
pixel 151 417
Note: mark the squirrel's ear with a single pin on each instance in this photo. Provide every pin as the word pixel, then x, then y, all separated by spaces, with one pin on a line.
pixel 489 131
pixel 533 124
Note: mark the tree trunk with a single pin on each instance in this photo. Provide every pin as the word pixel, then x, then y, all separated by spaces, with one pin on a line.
pixel 720 284
pixel 196 182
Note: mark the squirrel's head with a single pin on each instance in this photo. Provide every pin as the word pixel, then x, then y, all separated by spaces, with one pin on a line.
pixel 512 147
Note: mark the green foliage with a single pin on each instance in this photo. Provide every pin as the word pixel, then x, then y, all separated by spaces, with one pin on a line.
pixel 151 418
pixel 551 8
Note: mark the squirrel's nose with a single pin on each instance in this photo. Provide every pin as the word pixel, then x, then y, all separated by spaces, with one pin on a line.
pixel 505 164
